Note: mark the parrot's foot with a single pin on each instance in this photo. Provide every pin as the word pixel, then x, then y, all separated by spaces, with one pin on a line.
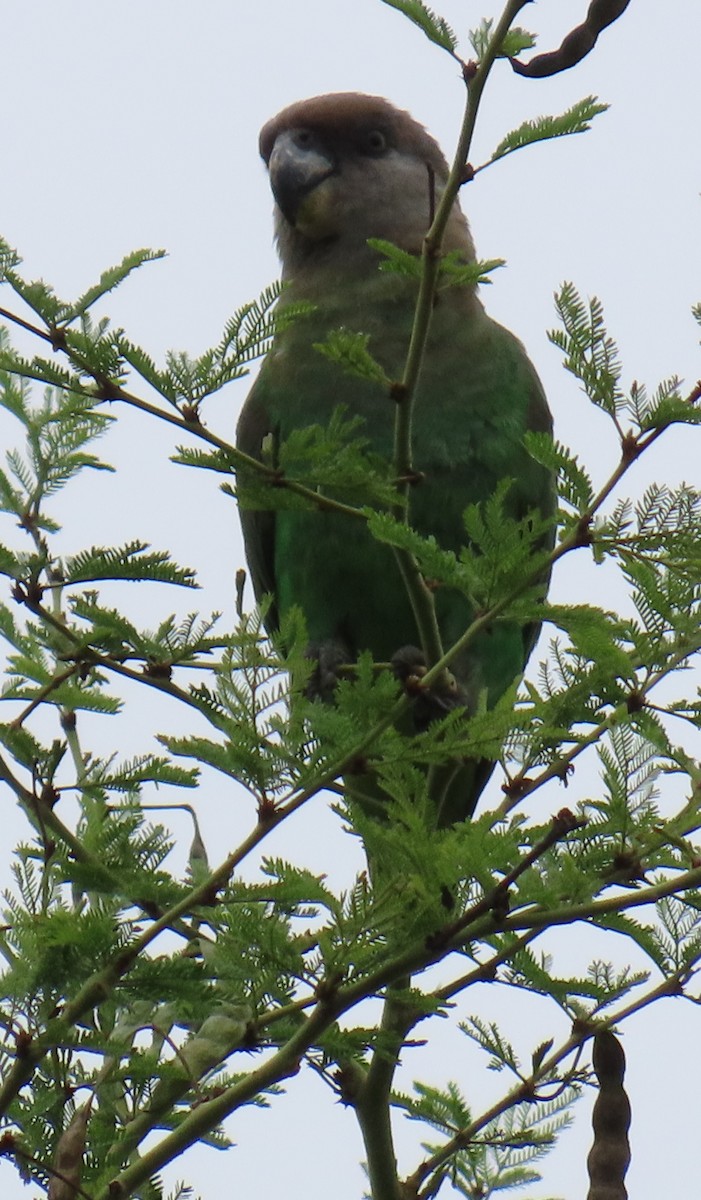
pixel 442 697
pixel 329 656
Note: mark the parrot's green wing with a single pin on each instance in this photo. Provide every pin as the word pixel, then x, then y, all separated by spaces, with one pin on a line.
pixel 477 397
pixel 257 524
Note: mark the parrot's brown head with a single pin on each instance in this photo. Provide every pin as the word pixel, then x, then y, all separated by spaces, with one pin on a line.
pixel 347 167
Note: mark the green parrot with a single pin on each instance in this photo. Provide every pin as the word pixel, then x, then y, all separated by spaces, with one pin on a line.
pixel 345 168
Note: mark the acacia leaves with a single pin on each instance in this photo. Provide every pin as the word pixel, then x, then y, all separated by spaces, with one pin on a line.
pixel 260 955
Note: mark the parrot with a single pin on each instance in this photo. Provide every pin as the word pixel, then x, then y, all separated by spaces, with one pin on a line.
pixel 345 168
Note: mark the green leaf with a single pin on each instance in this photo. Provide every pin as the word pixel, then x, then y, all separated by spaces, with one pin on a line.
pixel 350 352
pixel 130 561
pixel 130 775
pixel 44 371
pixel 396 260
pixel 590 353
pixel 515 40
pixel 453 271
pixel 9 563
pixel 576 119
pixel 336 460
pixel 436 28
pixel 208 460
pixel 86 696
pixel 9 259
pixel 248 334
pixel 574 485
pixel 109 279
pixel 25 748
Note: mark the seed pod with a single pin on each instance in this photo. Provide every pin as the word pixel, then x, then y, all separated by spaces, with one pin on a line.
pixel 609 1156
pixel 576 45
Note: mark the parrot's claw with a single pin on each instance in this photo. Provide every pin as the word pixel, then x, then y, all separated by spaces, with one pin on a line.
pixel 409 664
pixel 329 656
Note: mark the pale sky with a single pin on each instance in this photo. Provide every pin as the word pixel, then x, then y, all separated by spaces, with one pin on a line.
pixel 135 124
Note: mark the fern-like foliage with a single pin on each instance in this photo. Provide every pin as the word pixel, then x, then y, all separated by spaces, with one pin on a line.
pixel 57 434
pixel 576 119
pixel 146 979
pixel 132 561
pixel 247 335
pixel 436 28
pixel 453 270
pixel 515 40
pixel 590 353
pixel 46 304
pixel 350 351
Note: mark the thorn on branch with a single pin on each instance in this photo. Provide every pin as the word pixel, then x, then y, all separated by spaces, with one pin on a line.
pixel 105 389
pixel 563 774
pixel 57 337
pixel 584 535
pixel 675 987
pixel 398 391
pixel 516 788
pixel 29 593
pixel 582 1028
pixel 630 448
pixel 210 897
pixel 501 904
pixel 158 670
pixel 576 45
pixel 565 822
pixel 27 521
pixel 327 989
pixel 348 1084
pixel 628 867
pixel 360 765
pixel 23 1042
pixel 413 478
pixel 49 796
pixel 251 1039
pixel 191 414
pixel 266 811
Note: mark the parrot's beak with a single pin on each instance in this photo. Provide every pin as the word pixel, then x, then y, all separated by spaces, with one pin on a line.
pixel 298 168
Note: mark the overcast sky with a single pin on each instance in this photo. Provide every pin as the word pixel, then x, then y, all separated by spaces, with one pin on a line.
pixel 135 124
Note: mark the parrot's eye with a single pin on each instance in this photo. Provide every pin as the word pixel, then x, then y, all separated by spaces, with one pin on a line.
pixel 303 138
pixel 374 142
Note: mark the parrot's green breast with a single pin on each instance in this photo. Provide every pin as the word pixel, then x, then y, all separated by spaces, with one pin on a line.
pixel 477 395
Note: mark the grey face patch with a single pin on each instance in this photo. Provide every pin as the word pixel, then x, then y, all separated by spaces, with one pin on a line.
pixel 297 165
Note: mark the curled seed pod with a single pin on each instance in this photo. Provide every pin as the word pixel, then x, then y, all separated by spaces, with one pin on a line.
pixel 576 45
pixel 609 1156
